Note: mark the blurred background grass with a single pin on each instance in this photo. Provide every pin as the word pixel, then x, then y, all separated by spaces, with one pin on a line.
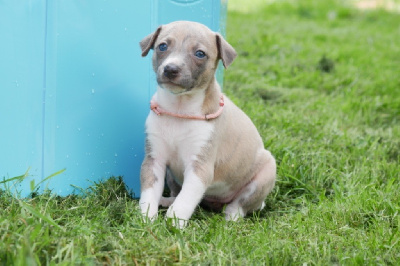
pixel 321 81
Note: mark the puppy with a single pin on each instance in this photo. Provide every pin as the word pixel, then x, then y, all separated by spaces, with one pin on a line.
pixel 204 146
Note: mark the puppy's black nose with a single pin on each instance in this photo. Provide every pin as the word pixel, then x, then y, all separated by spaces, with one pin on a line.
pixel 171 71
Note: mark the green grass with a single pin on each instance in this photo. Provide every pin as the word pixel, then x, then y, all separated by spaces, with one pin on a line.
pixel 321 81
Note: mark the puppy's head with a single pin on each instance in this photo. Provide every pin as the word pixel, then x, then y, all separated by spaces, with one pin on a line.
pixel 186 55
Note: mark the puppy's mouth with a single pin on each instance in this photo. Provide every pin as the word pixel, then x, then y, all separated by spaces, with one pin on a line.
pixel 173 86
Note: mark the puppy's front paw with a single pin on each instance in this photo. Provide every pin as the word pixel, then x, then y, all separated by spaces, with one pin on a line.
pixel 176 218
pixel 148 211
pixel 178 223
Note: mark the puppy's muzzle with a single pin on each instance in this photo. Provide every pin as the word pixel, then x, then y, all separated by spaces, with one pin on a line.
pixel 171 71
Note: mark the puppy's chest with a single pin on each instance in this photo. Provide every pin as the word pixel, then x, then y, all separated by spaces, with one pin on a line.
pixel 175 139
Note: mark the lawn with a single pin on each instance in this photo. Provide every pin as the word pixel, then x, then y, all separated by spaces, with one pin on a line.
pixel 321 81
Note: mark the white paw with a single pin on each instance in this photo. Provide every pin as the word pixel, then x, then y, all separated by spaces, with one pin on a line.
pixel 178 223
pixel 148 211
pixel 178 219
pixel 233 213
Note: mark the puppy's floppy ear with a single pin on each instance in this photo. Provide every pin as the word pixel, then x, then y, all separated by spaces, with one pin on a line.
pixel 225 51
pixel 148 42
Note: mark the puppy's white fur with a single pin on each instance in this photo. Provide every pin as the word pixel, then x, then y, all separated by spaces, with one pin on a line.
pixel 182 140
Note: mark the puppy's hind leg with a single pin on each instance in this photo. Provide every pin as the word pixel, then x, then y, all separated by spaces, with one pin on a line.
pixel 253 195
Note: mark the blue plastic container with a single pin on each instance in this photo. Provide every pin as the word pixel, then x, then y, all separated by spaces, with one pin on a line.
pixel 74 90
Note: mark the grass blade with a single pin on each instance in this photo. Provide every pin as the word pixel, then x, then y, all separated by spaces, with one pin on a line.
pixel 39 215
pixel 20 178
pixel 47 178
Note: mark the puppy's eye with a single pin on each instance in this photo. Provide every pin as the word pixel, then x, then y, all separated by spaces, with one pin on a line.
pixel 163 47
pixel 200 54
